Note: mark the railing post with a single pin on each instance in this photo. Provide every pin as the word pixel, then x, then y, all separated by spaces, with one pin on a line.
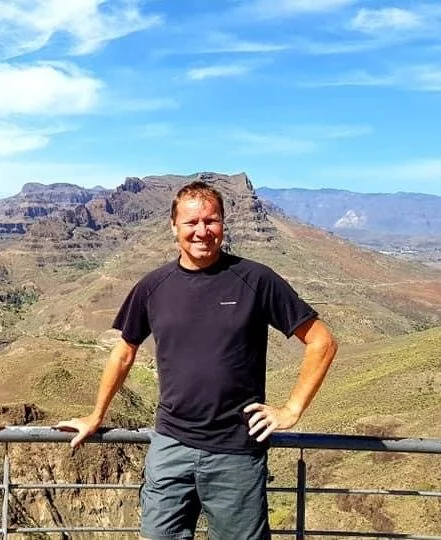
pixel 301 498
pixel 5 505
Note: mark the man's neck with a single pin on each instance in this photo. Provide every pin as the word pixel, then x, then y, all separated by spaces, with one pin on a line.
pixel 198 264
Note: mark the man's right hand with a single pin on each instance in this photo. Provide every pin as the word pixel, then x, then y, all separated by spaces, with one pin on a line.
pixel 86 426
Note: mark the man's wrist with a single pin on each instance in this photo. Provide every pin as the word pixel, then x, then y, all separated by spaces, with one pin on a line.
pixel 294 408
pixel 96 417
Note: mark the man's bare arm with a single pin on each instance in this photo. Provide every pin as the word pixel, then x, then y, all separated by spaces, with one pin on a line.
pixel 320 349
pixel 115 372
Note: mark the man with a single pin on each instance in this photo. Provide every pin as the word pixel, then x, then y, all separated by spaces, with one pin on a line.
pixel 209 314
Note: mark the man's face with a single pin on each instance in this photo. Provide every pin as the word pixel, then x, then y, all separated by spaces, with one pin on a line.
pixel 199 231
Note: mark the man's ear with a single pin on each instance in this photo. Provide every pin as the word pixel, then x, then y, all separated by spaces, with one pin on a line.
pixel 174 228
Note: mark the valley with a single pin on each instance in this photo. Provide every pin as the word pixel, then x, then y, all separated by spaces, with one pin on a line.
pixel 62 280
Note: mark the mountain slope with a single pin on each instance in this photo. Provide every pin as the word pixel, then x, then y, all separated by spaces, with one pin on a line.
pixel 387 213
pixel 81 280
pixel 62 281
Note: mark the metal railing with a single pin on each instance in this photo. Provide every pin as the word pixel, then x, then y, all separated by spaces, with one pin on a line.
pixel 301 441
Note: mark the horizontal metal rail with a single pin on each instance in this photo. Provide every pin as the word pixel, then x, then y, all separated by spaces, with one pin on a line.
pixel 300 441
pixel 324 441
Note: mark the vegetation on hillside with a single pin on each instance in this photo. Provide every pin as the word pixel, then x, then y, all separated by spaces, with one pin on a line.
pixel 385 381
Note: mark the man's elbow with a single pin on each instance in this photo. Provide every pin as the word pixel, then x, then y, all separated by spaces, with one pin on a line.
pixel 327 345
pixel 124 354
pixel 333 346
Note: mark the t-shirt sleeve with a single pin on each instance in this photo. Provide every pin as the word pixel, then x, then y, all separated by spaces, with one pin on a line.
pixel 284 309
pixel 132 318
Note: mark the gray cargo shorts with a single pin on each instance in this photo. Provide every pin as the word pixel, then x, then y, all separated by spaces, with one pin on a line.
pixel 180 482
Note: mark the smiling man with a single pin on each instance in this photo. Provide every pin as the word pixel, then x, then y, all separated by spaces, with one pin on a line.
pixel 209 314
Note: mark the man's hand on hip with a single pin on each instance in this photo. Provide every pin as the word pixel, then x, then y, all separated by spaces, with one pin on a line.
pixel 266 419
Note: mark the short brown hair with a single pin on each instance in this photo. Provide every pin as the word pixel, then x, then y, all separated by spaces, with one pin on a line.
pixel 196 190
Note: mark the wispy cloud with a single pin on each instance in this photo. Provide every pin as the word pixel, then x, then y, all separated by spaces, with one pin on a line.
pixel 426 78
pixel 29 25
pixel 341 131
pixel 353 78
pixel 374 21
pixel 15 139
pixel 270 9
pixel 270 143
pixel 295 140
pixel 423 78
pixel 220 42
pixel 46 89
pixel 373 29
pixel 42 92
pixel 210 72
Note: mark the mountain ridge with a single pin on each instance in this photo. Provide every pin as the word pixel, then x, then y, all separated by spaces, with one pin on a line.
pixel 392 213
pixel 61 283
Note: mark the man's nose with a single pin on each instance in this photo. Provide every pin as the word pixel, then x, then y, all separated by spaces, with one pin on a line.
pixel 201 228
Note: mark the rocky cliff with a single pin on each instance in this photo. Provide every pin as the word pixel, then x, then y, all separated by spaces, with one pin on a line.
pixel 68 207
pixel 63 280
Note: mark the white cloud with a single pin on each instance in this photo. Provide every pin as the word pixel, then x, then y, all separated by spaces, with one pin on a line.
pixel 373 21
pixel 15 139
pixel 209 72
pixel 424 78
pixel 353 78
pixel 268 9
pixel 341 131
pixel 28 25
pixel 323 48
pixel 223 42
pixel 46 89
pixel 270 143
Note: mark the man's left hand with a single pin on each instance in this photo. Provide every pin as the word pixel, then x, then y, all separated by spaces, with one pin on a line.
pixel 266 419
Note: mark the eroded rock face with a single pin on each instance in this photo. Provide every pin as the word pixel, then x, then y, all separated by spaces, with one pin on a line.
pixel 54 212
pixel 58 193
pixel 37 202
pixel 13 228
pixel 57 463
pixel 20 414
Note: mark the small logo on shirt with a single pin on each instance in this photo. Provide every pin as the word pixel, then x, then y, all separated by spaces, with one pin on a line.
pixel 227 303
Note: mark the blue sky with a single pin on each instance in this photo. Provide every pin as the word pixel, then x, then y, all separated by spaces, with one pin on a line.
pixel 296 93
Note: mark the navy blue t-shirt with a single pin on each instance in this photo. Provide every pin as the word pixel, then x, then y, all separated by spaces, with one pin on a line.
pixel 211 332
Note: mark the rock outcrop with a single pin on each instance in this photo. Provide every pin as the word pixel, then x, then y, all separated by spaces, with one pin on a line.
pixel 54 212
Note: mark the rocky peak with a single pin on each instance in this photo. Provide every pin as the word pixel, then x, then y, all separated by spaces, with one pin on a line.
pixel 136 200
pixel 132 184
pixel 59 193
